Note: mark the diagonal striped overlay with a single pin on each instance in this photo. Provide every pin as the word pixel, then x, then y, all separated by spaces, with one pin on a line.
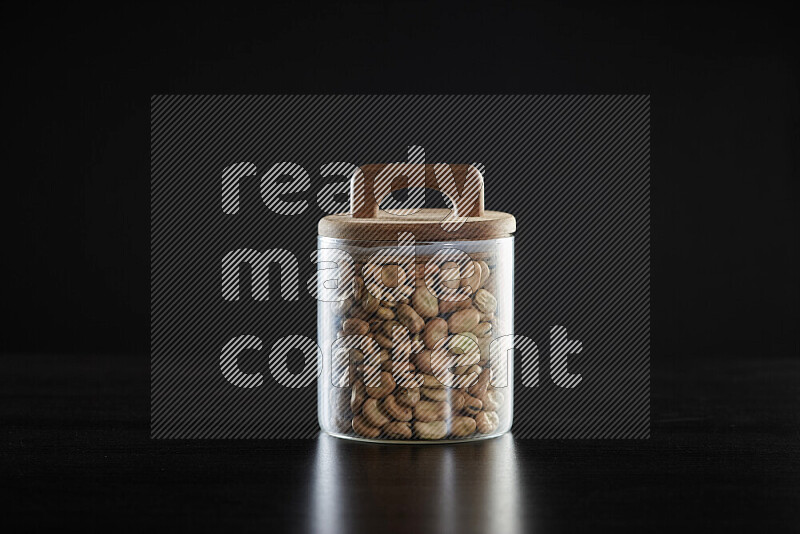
pixel 574 170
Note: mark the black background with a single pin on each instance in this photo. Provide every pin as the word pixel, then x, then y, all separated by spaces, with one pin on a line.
pixel 724 113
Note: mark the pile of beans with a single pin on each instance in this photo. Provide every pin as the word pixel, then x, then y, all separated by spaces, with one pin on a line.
pixel 377 404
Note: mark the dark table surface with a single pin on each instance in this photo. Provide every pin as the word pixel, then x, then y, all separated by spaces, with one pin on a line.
pixel 724 455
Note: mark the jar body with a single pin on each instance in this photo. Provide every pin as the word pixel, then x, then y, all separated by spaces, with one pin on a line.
pixel 415 339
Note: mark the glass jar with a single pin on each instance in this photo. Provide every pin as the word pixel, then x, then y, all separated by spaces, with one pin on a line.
pixel 416 312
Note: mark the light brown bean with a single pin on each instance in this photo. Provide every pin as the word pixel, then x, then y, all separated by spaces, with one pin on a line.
pixel 363 428
pixel 487 422
pixel 449 275
pixel 431 411
pixel 400 367
pixel 450 306
pixel 424 302
pixel 457 400
pixel 430 430
pixel 472 405
pixel 372 414
pixel 422 361
pixel 387 385
pixel 435 394
pixel 468 369
pixel 398 430
pixel 417 345
pixel 388 327
pixel 385 359
pixel 492 401
pixel 369 303
pixel 356 356
pixel 390 407
pixel 359 288
pixel 431 381
pixel 383 340
pixel 469 359
pixel 478 389
pixel 462 426
pixel 407 396
pixel 483 329
pixel 463 320
pixel 435 329
pixel 485 302
pixel 472 281
pixel 410 318
pixel 463 343
pixel 384 314
pixel 392 275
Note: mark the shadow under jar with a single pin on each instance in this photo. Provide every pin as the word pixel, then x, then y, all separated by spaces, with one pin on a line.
pixel 416 312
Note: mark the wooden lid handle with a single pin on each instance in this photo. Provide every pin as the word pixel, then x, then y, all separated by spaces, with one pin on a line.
pixel 463 184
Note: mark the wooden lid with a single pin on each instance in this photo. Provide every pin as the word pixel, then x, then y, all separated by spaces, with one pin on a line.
pixel 463 184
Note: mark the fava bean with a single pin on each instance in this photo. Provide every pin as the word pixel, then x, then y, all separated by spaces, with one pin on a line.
pixel 485 302
pixel 392 275
pixel 450 306
pixel 430 430
pixel 391 408
pixel 463 320
pixel 435 329
pixel 463 343
pixel 407 396
pixel 483 329
pixel 487 422
pixel 398 430
pixel 431 411
pixel 435 394
pixel 371 413
pixel 409 318
pixel 369 303
pixel 472 405
pixel 384 313
pixel 424 302
pixel 492 401
pixel 473 281
pixel 449 275
pixel 462 426
pixel 431 381
pixel 363 428
pixel 478 389
pixel 387 385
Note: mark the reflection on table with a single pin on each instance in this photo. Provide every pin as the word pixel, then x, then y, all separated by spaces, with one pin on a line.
pixel 461 487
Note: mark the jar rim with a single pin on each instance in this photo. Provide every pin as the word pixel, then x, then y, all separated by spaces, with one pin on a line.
pixel 425 225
